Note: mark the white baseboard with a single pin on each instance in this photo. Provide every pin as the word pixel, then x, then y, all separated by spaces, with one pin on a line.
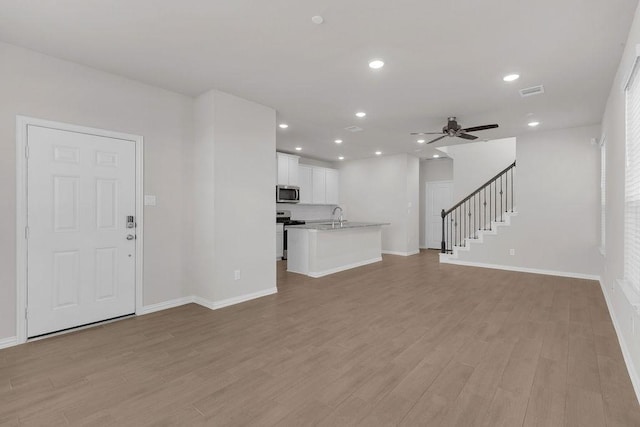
pixel 628 360
pixel 214 305
pixel 444 260
pixel 8 342
pixel 152 308
pixel 401 253
pixel 317 274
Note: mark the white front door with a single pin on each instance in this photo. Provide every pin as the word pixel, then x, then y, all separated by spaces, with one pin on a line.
pixel 80 263
pixel 439 196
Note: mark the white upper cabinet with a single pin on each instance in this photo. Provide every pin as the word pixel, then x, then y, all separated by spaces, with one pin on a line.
pixel 319 186
pixel 287 166
pixel 332 186
pixel 305 182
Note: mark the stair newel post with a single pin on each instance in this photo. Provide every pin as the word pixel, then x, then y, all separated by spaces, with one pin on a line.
pixel 443 245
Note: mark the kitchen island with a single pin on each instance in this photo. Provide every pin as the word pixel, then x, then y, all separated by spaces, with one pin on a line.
pixel 319 249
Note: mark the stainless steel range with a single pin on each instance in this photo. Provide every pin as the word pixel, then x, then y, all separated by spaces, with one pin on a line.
pixel 284 217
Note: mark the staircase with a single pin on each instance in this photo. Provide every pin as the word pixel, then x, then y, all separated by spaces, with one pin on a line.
pixel 481 213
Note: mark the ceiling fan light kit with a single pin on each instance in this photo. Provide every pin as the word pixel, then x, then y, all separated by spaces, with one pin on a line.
pixel 452 129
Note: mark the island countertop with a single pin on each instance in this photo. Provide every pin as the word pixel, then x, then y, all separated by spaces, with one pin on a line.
pixel 330 226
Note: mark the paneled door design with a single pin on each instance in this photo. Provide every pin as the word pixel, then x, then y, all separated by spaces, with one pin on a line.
pixel 81 246
pixel 439 196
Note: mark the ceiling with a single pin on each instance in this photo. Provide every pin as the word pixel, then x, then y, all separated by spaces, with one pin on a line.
pixel 443 58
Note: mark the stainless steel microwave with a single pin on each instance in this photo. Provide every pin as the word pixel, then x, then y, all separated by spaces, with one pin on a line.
pixel 287 194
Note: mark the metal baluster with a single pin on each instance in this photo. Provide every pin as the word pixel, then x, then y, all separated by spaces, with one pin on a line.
pixel 455 237
pixel 442 243
pixel 457 228
pixel 490 207
pixel 475 218
pixel 451 232
pixel 448 232
pixel 464 218
pixel 485 209
pixel 495 201
pixel 511 189
pixel 506 194
pixel 467 218
pixel 501 220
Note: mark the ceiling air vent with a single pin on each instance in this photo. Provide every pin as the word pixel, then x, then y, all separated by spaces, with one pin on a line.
pixel 353 129
pixel 530 91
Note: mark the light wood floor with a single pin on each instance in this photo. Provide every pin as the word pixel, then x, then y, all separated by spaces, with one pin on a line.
pixel 403 342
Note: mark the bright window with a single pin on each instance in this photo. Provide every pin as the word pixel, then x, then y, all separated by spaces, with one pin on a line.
pixel 632 184
pixel 603 194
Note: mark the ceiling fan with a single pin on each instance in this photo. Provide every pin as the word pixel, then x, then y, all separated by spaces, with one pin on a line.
pixel 453 129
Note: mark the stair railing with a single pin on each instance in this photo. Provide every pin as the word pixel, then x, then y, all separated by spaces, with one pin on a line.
pixel 478 210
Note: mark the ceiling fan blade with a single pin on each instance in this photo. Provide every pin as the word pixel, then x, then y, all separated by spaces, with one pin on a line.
pixel 477 128
pixel 426 133
pixel 467 136
pixel 437 139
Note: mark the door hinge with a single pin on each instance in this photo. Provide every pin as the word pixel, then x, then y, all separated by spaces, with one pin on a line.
pixel 26 151
pixel 26 312
pixel 26 233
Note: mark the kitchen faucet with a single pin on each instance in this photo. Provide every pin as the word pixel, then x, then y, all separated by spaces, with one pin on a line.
pixel 334 213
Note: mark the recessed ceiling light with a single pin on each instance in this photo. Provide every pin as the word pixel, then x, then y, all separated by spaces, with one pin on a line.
pixel 435 156
pixel 298 148
pixel 361 114
pixel 511 77
pixel 283 125
pixel 421 141
pixel 341 158
pixel 378 153
pixel 533 124
pixel 376 64
pixel 317 19
pixel 338 141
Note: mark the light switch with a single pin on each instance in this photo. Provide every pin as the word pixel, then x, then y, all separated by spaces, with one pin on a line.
pixel 149 200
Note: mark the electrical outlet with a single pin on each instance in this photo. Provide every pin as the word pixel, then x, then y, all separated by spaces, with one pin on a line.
pixel 236 274
pixel 512 251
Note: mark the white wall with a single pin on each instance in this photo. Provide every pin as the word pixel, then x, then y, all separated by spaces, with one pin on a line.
pixel 39 86
pixel 380 190
pixel 234 224
pixel 431 170
pixel 477 162
pixel 557 199
pixel 413 204
pixel 613 127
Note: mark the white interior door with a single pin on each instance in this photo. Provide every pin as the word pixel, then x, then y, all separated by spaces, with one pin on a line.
pixel 439 196
pixel 80 263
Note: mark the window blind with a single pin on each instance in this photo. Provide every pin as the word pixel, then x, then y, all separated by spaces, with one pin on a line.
pixel 632 185
pixel 603 194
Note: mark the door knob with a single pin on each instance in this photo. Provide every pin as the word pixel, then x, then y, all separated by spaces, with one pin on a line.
pixel 130 237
